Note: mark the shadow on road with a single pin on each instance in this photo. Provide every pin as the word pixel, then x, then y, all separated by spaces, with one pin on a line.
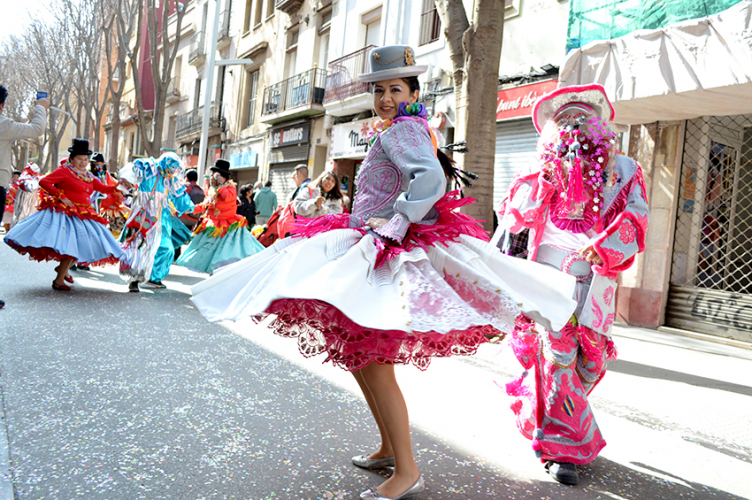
pixel 640 370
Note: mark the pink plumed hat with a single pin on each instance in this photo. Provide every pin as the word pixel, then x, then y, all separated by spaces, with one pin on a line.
pixel 594 95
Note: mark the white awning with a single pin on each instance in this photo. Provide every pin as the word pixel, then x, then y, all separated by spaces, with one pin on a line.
pixel 689 69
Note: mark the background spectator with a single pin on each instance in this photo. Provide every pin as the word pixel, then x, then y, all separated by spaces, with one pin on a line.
pixel 196 194
pixel 266 203
pixel 322 196
pixel 246 205
pixel 300 178
pixel 13 131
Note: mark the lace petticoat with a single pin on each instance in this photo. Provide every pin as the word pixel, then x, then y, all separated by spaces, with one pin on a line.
pixel 321 327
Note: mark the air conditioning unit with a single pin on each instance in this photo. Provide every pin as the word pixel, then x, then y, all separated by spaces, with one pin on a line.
pixel 271 107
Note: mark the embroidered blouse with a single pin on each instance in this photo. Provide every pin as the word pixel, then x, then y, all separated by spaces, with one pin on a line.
pixel 400 179
pixel 64 183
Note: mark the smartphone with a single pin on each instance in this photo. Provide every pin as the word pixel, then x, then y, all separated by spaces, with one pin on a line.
pixel 41 95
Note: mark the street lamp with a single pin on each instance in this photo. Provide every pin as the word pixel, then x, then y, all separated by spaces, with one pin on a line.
pixel 211 64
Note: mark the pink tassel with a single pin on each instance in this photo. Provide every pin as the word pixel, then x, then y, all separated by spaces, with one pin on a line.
pixel 611 351
pixel 576 189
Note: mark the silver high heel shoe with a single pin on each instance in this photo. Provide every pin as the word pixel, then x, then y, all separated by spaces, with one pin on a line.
pixel 418 487
pixel 372 463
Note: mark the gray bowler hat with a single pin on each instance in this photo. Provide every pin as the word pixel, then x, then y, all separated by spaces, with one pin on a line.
pixel 394 61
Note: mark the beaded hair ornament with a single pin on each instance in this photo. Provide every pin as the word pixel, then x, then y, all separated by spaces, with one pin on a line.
pixel 577 150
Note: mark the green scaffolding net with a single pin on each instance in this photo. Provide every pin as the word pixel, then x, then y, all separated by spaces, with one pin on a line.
pixel 591 20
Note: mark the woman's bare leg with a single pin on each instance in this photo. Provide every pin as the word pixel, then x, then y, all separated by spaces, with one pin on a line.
pixel 390 403
pixel 62 271
pixel 385 450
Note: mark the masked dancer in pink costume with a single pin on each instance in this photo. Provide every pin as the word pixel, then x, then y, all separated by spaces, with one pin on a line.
pixel 409 277
pixel 584 206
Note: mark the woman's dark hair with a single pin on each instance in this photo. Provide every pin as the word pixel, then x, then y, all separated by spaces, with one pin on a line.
pixel 335 193
pixel 268 184
pixel 412 83
pixel 245 189
pixel 3 94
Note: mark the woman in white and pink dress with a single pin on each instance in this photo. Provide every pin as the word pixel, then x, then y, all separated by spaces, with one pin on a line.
pixel 408 276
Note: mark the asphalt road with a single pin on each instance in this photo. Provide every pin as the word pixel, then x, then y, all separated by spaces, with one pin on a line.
pixel 110 395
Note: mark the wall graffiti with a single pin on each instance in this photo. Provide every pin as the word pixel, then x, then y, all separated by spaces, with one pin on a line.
pixel 733 311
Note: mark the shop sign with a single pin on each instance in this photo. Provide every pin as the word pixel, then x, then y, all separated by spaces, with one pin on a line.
pixel 350 140
pixel 518 102
pixel 249 159
pixel 190 161
pixel 291 135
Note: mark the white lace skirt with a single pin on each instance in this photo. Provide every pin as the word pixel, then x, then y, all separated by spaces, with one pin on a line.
pixel 328 293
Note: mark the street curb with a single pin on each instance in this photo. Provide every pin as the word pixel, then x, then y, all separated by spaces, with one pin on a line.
pixel 683 340
pixel 709 338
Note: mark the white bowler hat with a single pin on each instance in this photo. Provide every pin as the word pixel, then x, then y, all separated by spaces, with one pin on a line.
pixel 393 61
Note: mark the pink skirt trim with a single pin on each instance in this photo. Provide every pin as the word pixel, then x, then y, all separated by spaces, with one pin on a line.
pixel 321 327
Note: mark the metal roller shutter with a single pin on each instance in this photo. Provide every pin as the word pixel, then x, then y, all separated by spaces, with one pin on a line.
pixel 711 270
pixel 282 184
pixel 516 143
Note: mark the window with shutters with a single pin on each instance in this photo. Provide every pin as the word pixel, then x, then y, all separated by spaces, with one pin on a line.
pixel 372 22
pixel 252 94
pixel 247 20
pixel 258 13
pixel 430 24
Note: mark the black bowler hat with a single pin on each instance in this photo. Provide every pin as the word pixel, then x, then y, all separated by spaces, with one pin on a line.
pixel 98 157
pixel 222 167
pixel 80 147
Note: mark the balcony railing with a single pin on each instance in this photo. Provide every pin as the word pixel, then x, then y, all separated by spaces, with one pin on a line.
pixel 342 81
pixel 224 26
pixel 190 122
pixel 300 90
pixel 198 48
pixel 173 90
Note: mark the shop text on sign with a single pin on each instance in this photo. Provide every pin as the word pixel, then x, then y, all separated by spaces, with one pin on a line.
pixel 287 136
pixel 517 102
pixel 350 140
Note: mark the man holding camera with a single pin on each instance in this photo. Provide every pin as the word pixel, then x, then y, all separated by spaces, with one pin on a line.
pixel 14 131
